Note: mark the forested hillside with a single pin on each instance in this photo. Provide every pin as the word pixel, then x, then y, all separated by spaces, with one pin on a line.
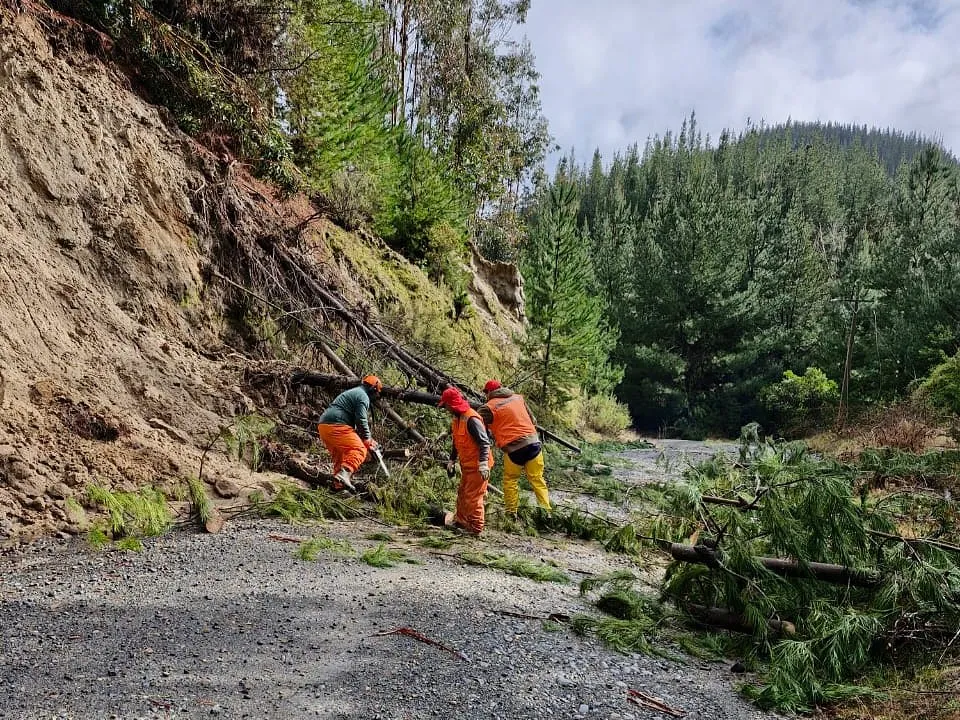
pixel 721 265
pixel 893 147
pixel 419 118
pixel 689 274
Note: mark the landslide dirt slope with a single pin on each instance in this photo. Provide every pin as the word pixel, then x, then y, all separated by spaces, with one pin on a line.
pixel 113 365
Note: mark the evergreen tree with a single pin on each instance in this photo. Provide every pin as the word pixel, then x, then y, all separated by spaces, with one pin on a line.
pixel 780 249
pixel 570 342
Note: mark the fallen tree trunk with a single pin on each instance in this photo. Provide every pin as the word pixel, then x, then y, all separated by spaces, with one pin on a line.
pixel 838 574
pixel 370 332
pixel 338 363
pixel 279 458
pixel 730 620
pixel 315 379
pixel 325 348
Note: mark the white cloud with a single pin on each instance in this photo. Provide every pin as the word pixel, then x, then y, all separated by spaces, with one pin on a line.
pixel 615 72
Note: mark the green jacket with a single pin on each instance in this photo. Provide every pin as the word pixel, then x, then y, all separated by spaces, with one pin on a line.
pixel 351 407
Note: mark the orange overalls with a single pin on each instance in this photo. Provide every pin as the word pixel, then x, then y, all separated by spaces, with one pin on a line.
pixel 344 445
pixel 473 487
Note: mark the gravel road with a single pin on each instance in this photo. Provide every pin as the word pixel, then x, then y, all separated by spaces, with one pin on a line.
pixel 234 626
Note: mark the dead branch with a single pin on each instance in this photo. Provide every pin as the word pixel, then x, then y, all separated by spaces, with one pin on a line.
pixel 410 632
pixel 653 703
pixel 551 617
pixel 286 538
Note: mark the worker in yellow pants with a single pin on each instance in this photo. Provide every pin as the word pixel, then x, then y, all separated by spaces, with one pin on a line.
pixel 514 431
pixel 511 481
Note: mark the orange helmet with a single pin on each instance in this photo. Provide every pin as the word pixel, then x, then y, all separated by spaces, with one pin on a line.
pixel 374 382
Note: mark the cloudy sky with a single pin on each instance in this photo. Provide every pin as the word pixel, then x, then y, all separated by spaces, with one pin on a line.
pixel 617 71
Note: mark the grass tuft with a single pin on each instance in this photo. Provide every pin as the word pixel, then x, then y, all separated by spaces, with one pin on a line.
pixel 380 537
pixel 383 557
pixel 97 536
pixel 521 567
pixel 130 544
pixel 437 542
pixel 309 550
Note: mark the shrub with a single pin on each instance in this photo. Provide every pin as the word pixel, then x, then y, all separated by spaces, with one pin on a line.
pixel 942 387
pixel 351 198
pixel 602 414
pixel 800 401
pixel 906 426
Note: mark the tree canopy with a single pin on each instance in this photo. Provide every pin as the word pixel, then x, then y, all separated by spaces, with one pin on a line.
pixel 724 265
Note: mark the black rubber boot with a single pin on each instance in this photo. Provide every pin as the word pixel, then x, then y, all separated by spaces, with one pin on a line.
pixel 436 516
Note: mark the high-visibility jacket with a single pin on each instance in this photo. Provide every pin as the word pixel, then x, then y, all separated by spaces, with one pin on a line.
pixel 468 450
pixel 512 426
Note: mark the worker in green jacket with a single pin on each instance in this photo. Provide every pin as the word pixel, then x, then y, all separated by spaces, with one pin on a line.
pixel 344 429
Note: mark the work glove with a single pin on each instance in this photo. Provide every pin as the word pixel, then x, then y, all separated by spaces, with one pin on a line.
pixel 451 469
pixel 485 471
pixel 370 444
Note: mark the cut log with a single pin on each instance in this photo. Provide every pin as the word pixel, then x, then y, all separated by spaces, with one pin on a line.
pixel 838 574
pixel 729 620
pixel 315 379
pixel 214 523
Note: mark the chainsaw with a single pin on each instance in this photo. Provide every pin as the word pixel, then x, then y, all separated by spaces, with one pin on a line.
pixel 379 455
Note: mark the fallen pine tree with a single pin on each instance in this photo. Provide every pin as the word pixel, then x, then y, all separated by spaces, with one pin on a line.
pixel 824 580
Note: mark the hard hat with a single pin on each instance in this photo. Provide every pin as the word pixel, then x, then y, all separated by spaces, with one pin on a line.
pixel 374 382
pixel 450 397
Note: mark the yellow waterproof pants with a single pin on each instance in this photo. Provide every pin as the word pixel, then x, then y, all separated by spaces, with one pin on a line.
pixel 511 482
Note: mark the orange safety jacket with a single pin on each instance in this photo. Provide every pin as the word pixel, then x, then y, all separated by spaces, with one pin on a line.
pixel 467 449
pixel 511 424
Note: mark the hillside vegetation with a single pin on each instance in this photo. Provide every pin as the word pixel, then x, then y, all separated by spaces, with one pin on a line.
pixel 720 267
pixel 142 276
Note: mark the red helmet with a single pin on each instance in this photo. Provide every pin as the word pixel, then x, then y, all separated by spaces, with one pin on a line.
pixel 492 385
pixel 452 398
pixel 449 397
pixel 374 382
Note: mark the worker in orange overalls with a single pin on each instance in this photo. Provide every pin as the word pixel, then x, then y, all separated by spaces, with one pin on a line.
pixel 344 429
pixel 471 447
pixel 514 431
